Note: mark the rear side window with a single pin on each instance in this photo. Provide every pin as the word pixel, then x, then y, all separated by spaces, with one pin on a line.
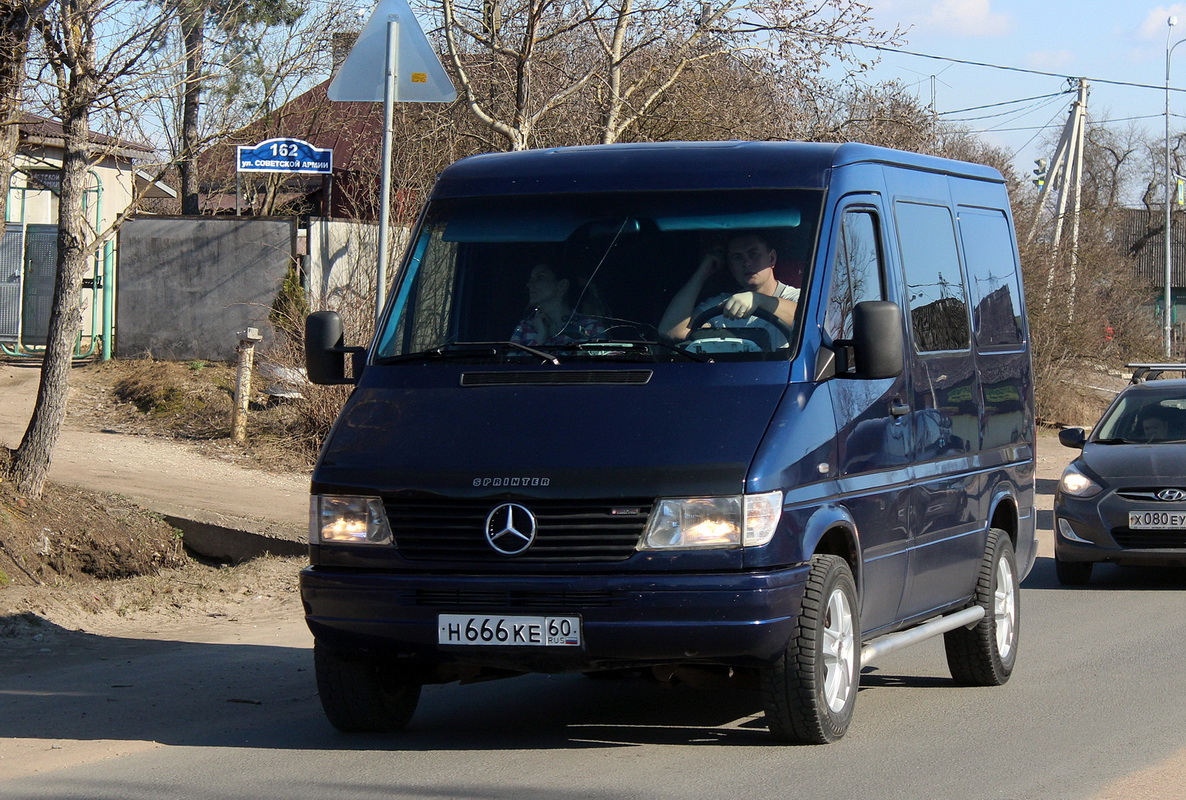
pixel 992 273
pixel 934 283
pixel 856 274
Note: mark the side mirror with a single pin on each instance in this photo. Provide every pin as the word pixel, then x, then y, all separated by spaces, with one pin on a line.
pixel 877 339
pixel 325 355
pixel 1072 437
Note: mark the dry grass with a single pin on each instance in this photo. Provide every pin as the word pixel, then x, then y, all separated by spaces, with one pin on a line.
pixel 194 400
pixel 191 400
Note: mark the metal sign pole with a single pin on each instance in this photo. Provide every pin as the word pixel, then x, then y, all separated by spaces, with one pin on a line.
pixel 385 180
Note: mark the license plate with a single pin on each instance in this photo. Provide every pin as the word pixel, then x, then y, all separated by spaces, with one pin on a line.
pixel 1156 520
pixel 509 630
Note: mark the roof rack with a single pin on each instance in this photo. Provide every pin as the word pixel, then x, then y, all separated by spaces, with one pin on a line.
pixel 1149 372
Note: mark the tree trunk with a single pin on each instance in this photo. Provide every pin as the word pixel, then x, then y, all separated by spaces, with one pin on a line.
pixel 30 462
pixel 193 36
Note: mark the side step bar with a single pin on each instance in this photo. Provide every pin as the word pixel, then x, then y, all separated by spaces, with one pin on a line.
pixel 896 641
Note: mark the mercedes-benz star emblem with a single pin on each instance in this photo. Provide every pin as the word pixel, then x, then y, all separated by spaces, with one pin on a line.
pixel 510 529
pixel 1171 495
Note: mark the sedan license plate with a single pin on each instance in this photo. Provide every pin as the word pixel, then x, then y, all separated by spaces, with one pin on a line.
pixel 509 630
pixel 1156 520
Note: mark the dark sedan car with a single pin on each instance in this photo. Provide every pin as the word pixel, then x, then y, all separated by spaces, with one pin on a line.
pixel 1123 500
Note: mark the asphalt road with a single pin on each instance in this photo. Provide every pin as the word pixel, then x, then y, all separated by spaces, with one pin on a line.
pixel 1094 704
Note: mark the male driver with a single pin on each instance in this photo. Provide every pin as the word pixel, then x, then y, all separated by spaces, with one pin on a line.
pixel 751 260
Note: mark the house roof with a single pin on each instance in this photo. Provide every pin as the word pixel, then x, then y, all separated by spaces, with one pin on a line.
pixel 35 129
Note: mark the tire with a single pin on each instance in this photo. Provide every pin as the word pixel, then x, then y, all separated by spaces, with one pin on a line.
pixel 809 692
pixel 1072 573
pixel 362 695
pixel 984 655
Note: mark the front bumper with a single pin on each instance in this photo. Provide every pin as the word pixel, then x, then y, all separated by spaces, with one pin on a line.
pixel 1096 530
pixel 635 620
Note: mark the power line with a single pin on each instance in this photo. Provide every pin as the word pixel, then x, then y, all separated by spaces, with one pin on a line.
pixel 1009 68
pixel 1014 114
pixel 1007 102
pixel 1038 132
pixel 1130 119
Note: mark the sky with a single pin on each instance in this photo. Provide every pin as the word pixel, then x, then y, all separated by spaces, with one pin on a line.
pixel 1100 40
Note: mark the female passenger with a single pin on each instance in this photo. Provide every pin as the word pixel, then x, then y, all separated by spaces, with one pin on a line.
pixel 556 314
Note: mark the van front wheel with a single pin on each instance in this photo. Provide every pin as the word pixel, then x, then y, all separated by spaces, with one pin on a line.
pixel 984 654
pixel 809 692
pixel 361 695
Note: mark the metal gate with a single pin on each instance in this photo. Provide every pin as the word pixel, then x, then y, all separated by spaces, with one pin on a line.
pixel 28 265
pixel 41 260
pixel 12 262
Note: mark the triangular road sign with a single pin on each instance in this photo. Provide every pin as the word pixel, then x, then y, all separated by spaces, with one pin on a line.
pixel 419 76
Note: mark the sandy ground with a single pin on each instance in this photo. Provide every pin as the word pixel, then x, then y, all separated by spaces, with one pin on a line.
pixel 167 476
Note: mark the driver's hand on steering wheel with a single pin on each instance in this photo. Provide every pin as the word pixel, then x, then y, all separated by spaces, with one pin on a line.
pixel 740 305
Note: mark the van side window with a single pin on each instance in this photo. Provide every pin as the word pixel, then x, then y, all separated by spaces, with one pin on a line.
pixel 856 274
pixel 934 284
pixel 992 273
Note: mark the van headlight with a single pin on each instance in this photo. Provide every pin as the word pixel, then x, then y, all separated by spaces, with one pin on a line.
pixel 691 523
pixel 348 520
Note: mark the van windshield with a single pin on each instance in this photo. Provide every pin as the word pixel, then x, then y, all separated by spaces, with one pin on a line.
pixel 602 276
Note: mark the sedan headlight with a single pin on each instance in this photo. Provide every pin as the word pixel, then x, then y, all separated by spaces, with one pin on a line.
pixel 1076 484
pixel 348 520
pixel 694 523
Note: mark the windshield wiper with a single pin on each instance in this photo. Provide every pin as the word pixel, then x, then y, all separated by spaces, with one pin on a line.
pixel 647 345
pixel 461 350
pixel 548 357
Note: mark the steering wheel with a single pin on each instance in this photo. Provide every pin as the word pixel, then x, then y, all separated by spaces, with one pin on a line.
pixel 715 311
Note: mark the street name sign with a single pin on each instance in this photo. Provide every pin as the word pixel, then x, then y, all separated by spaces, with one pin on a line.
pixel 285 155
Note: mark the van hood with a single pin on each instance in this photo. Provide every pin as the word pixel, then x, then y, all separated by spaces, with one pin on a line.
pixel 688 430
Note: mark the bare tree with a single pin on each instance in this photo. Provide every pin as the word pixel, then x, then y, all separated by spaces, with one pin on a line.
pixel 17 18
pixel 85 73
pixel 799 36
pixel 510 45
pixel 626 57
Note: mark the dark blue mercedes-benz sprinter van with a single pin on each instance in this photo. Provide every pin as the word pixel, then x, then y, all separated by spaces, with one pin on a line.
pixel 749 409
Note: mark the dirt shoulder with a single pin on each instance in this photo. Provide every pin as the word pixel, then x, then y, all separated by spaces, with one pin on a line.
pixel 79 562
pixel 84 559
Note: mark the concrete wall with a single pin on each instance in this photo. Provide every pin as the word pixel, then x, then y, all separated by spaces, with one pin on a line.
pixel 341 265
pixel 343 257
pixel 187 285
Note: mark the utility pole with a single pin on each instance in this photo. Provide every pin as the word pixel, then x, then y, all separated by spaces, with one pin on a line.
pixel 1066 176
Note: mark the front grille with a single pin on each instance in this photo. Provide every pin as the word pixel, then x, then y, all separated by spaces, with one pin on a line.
pixel 1145 495
pixel 1149 540
pixel 569 531
pixel 479 600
